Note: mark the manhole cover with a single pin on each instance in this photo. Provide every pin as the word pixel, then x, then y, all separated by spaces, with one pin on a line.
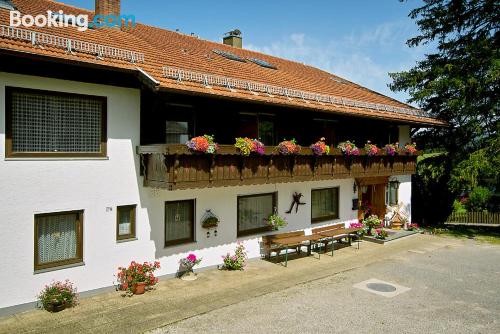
pixel 381 287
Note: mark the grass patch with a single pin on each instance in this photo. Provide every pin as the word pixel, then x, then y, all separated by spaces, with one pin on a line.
pixel 483 234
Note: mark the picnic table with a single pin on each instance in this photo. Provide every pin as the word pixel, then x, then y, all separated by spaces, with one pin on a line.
pixel 339 233
pixel 306 240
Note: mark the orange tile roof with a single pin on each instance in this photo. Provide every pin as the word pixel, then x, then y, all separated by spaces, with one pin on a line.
pixel 163 48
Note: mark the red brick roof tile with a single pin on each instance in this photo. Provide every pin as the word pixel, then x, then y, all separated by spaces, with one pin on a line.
pixel 172 49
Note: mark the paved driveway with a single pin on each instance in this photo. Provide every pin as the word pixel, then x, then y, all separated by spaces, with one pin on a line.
pixel 455 289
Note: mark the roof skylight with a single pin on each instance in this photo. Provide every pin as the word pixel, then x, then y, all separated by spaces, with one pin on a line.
pixel 262 63
pixel 229 55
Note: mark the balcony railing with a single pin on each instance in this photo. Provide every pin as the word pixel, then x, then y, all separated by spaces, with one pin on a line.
pixel 173 166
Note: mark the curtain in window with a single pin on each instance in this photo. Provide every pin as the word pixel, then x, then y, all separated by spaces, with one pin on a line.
pixel 125 223
pixel 57 237
pixel 43 122
pixel 253 211
pixel 179 222
pixel 324 203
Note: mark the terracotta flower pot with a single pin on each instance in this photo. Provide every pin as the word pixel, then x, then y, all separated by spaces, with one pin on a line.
pixel 139 288
pixel 55 307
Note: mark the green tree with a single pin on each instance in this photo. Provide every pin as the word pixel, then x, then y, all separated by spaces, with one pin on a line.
pixel 458 83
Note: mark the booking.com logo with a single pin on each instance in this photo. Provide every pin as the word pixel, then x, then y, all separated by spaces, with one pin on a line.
pixel 59 19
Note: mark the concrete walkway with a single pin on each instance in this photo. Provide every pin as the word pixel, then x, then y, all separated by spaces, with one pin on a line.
pixel 175 300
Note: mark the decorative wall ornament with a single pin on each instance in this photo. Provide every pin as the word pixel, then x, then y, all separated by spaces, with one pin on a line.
pixel 296 202
pixel 210 221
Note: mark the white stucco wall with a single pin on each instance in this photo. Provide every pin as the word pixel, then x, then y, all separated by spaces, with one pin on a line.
pixel 404 192
pixel 98 186
pixel 36 186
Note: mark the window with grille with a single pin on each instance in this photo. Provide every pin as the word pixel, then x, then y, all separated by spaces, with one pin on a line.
pixel 125 220
pixel 179 222
pixel 58 239
pixel 253 212
pixel 42 123
pixel 324 204
pixel 176 132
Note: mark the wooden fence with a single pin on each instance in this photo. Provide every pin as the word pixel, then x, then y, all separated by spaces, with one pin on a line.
pixel 474 219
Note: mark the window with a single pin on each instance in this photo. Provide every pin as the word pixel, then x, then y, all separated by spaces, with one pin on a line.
pixel 58 239
pixel 253 211
pixel 177 132
pixel 179 222
pixel 266 131
pixel 51 124
pixel 324 204
pixel 125 222
pixel 392 193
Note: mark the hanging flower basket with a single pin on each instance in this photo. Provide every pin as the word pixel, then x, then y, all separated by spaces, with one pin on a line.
pixel 410 148
pixel 391 149
pixel 246 146
pixel 371 149
pixel 348 148
pixel 203 144
pixel 209 220
pixel 288 147
pixel 320 148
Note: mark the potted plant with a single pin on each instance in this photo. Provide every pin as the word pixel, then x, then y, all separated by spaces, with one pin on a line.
pixel 275 222
pixel 203 144
pixel 288 147
pixel 410 148
pixel 371 149
pixel 320 148
pixel 371 222
pixel 137 277
pixel 348 148
pixel 57 296
pixel 381 234
pixel 236 261
pixel 210 222
pixel 186 267
pixel 246 146
pixel 391 149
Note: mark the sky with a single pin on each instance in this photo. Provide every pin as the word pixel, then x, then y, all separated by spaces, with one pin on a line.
pixel 360 40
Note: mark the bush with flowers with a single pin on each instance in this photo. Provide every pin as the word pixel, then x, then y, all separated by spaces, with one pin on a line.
pixel 247 146
pixel 348 148
pixel 360 226
pixel 203 144
pixel 189 262
pixel 288 147
pixel 413 227
pixel 371 149
pixel 381 234
pixel 410 148
pixel 236 261
pixel 320 147
pixel 391 149
pixel 371 222
pixel 57 296
pixel 137 273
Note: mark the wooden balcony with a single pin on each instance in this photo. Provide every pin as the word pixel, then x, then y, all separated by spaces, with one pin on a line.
pixel 173 166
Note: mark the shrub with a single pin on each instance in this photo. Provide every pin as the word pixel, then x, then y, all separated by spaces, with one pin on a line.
pixel 58 293
pixel 459 207
pixel 236 261
pixel 478 199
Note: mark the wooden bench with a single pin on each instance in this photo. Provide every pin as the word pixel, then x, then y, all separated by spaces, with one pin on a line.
pixel 269 244
pixel 332 233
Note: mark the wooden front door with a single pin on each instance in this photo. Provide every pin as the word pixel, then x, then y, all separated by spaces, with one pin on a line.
pixel 371 194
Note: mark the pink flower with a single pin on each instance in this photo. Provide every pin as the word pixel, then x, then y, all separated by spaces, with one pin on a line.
pixel 191 257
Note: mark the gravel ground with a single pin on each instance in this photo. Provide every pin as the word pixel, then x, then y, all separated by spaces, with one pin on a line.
pixel 453 290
